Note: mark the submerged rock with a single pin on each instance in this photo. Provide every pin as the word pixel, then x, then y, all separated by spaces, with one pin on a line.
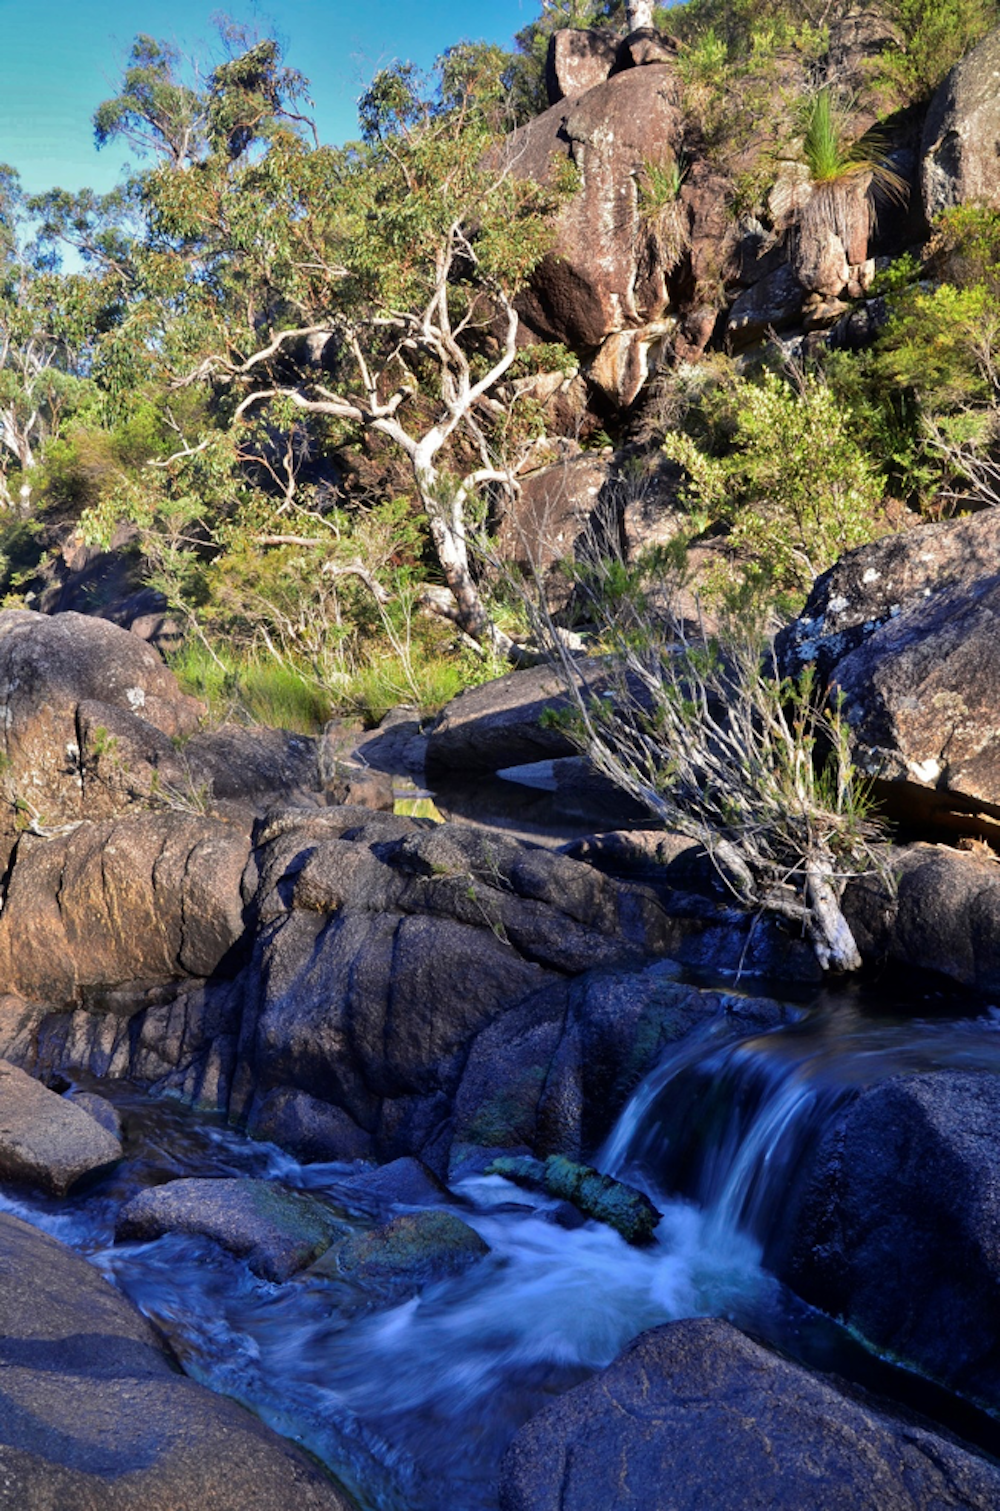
pixel 403 1182
pixel 99 1108
pixel 695 1415
pixel 277 1231
pixel 95 1417
pixel 622 1207
pixel 47 1140
pixel 405 1255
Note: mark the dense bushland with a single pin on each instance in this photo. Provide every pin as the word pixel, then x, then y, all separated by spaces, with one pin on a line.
pixel 285 366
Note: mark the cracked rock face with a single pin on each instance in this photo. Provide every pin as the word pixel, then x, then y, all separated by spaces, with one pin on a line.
pixel 898 1228
pixel 153 898
pixel 605 273
pixel 907 628
pixel 961 142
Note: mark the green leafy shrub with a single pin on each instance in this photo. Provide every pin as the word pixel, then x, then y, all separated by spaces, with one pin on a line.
pixel 937 34
pixel 795 488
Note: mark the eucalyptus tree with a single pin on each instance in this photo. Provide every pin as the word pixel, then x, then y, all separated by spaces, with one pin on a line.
pixel 369 289
pixel 46 322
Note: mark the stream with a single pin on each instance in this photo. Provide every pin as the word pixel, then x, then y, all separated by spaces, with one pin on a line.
pixel 411 1405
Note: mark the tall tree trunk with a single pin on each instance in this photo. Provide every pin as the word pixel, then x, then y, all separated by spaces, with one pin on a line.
pixel 639 14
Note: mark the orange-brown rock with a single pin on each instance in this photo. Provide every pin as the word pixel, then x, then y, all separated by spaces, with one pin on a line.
pixel 578 60
pixel 604 273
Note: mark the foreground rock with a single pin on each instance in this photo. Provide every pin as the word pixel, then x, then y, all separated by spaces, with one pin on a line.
pixel 94 1417
pixel 906 628
pixel 384 949
pixel 899 1229
pixel 328 984
pixel 694 1415
pixel 277 1231
pixel 46 1140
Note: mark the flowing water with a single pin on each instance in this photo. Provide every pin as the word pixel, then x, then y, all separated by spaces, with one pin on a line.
pixel 412 1404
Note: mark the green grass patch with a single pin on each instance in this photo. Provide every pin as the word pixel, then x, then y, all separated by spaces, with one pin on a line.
pixel 253 690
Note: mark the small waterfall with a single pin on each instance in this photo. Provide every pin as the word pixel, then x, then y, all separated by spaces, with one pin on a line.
pixel 732 1127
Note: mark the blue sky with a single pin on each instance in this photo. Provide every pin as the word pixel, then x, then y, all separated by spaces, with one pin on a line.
pixel 60 58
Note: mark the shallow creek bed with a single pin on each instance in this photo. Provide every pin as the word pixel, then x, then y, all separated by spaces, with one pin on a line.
pixel 408 1377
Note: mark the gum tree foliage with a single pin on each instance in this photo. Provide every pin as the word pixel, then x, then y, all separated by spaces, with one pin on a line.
pixel 335 293
pixel 47 322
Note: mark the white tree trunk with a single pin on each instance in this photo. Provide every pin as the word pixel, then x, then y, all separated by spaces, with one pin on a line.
pixel 829 931
pixel 639 14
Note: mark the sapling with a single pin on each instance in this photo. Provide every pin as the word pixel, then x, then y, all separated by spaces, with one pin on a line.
pixel 701 729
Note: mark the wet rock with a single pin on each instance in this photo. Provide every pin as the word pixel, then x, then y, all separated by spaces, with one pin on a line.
pixel 605 272
pixel 46 1140
pixel 404 1256
pixel 959 159
pixel 307 1126
pixel 694 1414
pixel 553 1074
pixel 646 853
pixel 388 952
pixel 95 1417
pixel 898 1231
pixel 99 1108
pixel 578 60
pixel 620 1206
pixel 405 1182
pixel 278 1232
